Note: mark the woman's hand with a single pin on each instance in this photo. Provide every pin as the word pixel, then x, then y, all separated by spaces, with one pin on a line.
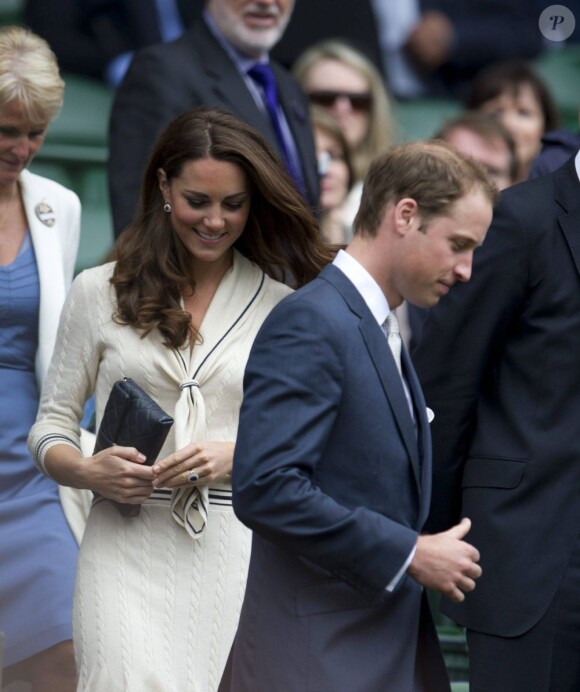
pixel 119 473
pixel 210 461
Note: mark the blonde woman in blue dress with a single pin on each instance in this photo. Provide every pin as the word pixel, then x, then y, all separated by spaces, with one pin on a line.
pixel 39 236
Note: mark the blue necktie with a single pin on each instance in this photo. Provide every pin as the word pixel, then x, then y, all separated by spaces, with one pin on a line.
pixel 262 74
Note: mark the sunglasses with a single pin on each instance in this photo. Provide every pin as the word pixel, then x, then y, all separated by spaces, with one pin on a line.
pixel 327 99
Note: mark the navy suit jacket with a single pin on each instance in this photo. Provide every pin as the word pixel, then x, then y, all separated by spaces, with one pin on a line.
pixel 167 79
pixel 334 480
pixel 498 361
pixel 87 34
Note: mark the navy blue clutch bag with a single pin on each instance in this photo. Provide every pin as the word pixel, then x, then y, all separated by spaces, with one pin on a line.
pixel 132 419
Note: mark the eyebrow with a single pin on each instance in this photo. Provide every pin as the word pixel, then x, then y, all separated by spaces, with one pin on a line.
pixel 203 195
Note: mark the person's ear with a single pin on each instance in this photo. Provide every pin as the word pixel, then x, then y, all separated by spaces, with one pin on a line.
pixel 163 183
pixel 406 215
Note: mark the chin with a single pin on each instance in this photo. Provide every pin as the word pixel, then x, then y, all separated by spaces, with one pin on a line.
pixel 256 42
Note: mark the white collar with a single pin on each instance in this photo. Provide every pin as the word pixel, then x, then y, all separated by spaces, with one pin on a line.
pixel 365 284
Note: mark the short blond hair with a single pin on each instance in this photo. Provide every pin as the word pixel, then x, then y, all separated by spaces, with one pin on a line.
pixel 29 74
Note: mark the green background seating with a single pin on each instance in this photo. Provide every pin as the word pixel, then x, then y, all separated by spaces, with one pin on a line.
pixel 561 71
pixel 10 11
pixel 421 118
pixel 75 154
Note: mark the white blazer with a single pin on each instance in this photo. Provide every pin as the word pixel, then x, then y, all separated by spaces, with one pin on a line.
pixel 53 213
pixel 54 218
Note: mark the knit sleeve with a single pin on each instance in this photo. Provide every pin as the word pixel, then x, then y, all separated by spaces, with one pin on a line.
pixel 72 372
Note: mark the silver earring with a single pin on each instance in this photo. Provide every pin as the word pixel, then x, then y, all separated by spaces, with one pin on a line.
pixel 167 208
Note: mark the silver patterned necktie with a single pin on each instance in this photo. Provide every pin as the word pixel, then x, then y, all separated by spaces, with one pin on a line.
pixel 394 340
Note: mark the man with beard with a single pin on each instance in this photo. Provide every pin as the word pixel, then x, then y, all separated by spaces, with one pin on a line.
pixel 221 60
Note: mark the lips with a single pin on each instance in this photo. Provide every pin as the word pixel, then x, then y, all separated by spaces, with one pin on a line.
pixel 209 237
pixel 16 165
pixel 260 20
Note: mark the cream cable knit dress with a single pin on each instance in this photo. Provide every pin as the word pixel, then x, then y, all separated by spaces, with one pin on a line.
pixel 155 609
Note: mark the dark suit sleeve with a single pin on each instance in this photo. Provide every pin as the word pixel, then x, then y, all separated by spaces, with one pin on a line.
pixel 147 99
pixel 512 24
pixel 61 24
pixel 293 388
pixel 460 347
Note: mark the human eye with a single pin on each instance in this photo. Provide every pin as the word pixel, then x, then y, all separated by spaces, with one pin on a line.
pixel 335 154
pixel 235 204
pixel 459 245
pixel 195 203
pixel 36 134
pixel 526 112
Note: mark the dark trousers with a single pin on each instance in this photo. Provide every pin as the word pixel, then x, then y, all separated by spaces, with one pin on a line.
pixel 544 659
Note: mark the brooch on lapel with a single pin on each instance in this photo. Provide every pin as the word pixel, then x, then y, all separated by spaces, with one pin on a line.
pixel 45 214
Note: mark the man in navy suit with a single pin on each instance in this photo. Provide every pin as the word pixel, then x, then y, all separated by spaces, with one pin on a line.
pixel 332 466
pixel 499 363
pixel 208 65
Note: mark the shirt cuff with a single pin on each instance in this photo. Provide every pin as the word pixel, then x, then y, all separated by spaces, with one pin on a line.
pixel 395 580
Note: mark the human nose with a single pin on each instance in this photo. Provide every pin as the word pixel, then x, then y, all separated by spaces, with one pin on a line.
pixel 22 148
pixel 463 268
pixel 510 120
pixel 342 104
pixel 214 220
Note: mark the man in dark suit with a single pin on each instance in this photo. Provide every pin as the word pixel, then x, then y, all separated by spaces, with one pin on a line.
pixel 209 66
pixel 351 21
pixel 96 38
pixel 332 466
pixel 435 47
pixel 498 361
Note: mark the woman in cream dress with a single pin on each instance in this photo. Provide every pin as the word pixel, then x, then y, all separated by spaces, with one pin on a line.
pixel 158 595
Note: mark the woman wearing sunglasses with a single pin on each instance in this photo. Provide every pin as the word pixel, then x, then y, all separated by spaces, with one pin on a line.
pixel 342 80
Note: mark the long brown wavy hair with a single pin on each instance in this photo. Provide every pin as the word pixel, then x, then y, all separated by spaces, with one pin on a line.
pixel 153 266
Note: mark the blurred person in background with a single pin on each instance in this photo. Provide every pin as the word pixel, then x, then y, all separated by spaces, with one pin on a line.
pixel 487 140
pixel 341 79
pixel 97 38
pixel 517 96
pixel 434 48
pixel 39 236
pixel 222 60
pixel 336 176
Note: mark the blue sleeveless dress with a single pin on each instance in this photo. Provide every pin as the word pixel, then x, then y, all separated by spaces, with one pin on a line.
pixel 38 552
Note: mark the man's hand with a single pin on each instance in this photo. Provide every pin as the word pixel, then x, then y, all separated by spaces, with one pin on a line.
pixel 444 562
pixel 429 44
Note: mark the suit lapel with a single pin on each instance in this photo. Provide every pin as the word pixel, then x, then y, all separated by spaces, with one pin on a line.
pixel 296 111
pixel 230 91
pixel 226 84
pixel 386 368
pixel 384 364
pixel 49 263
pixel 423 436
pixel 567 193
